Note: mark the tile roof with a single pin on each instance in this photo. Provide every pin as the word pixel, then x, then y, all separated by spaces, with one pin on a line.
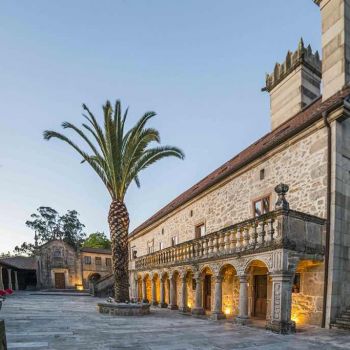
pixel 292 126
pixel 20 262
pixel 96 250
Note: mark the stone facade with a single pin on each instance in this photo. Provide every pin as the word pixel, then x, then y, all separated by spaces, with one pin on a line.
pixel 214 252
pixel 61 266
pixel 232 201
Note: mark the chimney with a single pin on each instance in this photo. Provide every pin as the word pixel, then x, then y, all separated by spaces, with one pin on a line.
pixel 335 16
pixel 293 84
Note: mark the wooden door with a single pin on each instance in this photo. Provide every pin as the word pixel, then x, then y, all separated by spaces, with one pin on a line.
pixel 260 296
pixel 207 292
pixel 59 280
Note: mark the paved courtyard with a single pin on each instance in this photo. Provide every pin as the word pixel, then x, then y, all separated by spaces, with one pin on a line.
pixel 71 322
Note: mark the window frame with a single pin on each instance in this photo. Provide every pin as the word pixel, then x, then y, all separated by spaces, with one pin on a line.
pixel 110 261
pixel 197 232
pixel 260 199
pixel 176 240
pixel 98 258
pixel 87 260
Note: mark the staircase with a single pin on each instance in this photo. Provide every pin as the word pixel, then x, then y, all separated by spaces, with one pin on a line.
pixel 342 322
pixel 104 287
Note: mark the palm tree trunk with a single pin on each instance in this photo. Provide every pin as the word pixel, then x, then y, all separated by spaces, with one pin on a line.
pixel 118 219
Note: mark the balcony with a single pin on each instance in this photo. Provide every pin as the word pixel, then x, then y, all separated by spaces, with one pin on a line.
pixel 281 228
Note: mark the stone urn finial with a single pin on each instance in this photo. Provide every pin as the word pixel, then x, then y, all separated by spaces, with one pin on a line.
pixel 281 191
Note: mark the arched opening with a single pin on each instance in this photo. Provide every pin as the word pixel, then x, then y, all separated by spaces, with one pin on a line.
pixel 259 290
pixel 139 288
pixel 208 289
pixel 147 281
pixel 166 282
pixel 175 284
pixel 307 293
pixel 156 280
pixel 190 289
pixel 94 277
pixel 230 290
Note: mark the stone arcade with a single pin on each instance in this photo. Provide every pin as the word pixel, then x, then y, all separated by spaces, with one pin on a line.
pixel 238 243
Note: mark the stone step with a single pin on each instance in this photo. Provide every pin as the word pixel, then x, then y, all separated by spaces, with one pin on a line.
pixel 342 321
pixel 345 316
pixel 340 326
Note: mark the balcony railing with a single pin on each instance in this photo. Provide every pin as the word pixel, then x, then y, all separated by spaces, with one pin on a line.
pixel 277 229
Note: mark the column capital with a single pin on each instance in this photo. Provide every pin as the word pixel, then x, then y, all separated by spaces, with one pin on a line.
pixel 243 278
pixel 198 276
pixel 218 278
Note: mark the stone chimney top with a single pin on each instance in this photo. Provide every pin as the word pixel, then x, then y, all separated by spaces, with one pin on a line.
pixel 303 55
pixel 294 84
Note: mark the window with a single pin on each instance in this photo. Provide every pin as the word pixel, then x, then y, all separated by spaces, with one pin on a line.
pixel 161 245
pixel 261 206
pixel 108 262
pixel 57 253
pixel 87 260
pixel 262 174
pixel 150 247
pixel 193 284
pixel 98 261
pixel 162 231
pixel 296 283
pixel 133 253
pixel 174 241
pixel 200 230
pixel 191 213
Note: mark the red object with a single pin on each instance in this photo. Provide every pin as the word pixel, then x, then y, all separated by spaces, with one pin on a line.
pixel 2 293
pixel 9 291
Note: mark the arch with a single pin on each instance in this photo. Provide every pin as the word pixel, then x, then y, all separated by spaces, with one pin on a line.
pixel 94 277
pixel 226 267
pixel 255 261
pixel 230 290
pixel 147 281
pixel 206 269
pixel 259 288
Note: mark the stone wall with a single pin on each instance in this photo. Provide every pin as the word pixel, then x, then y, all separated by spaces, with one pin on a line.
pixel 93 268
pixel 301 165
pixel 60 257
pixel 308 303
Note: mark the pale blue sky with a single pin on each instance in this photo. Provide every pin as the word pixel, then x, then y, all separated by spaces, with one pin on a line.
pixel 199 64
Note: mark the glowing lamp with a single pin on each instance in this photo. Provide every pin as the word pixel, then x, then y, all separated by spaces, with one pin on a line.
pixel 227 311
pixel 79 287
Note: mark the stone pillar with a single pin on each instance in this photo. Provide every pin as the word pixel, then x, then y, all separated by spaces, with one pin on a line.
pixel 9 273
pixel 281 304
pixel 198 306
pixel 183 305
pixel 16 281
pixel 217 313
pixel 154 292
pixel 162 303
pixel 144 291
pixel 1 280
pixel 242 317
pixel 173 305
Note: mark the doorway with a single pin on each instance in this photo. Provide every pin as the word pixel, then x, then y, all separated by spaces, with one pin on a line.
pixel 260 296
pixel 60 280
pixel 207 293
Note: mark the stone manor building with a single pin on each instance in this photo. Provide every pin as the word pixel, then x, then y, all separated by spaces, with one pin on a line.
pixel 267 234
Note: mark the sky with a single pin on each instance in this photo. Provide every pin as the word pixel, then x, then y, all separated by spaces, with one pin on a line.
pixel 199 64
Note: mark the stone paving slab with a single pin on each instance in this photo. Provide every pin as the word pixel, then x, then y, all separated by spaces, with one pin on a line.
pixel 66 322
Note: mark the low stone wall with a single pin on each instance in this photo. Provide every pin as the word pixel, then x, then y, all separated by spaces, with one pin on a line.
pixel 3 344
pixel 116 309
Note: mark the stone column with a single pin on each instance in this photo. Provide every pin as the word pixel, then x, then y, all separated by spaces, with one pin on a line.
pixel 183 305
pixel 1 280
pixel 281 304
pixel 173 305
pixel 217 313
pixel 144 291
pixel 242 317
pixel 162 304
pixel 9 273
pixel 198 307
pixel 16 281
pixel 154 292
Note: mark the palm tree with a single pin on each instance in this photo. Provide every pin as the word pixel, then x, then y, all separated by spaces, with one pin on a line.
pixel 117 156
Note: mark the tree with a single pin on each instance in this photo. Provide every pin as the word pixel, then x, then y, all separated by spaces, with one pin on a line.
pixel 118 157
pixel 48 224
pixel 97 240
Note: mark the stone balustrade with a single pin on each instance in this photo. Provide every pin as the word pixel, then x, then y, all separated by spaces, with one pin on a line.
pixel 277 229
